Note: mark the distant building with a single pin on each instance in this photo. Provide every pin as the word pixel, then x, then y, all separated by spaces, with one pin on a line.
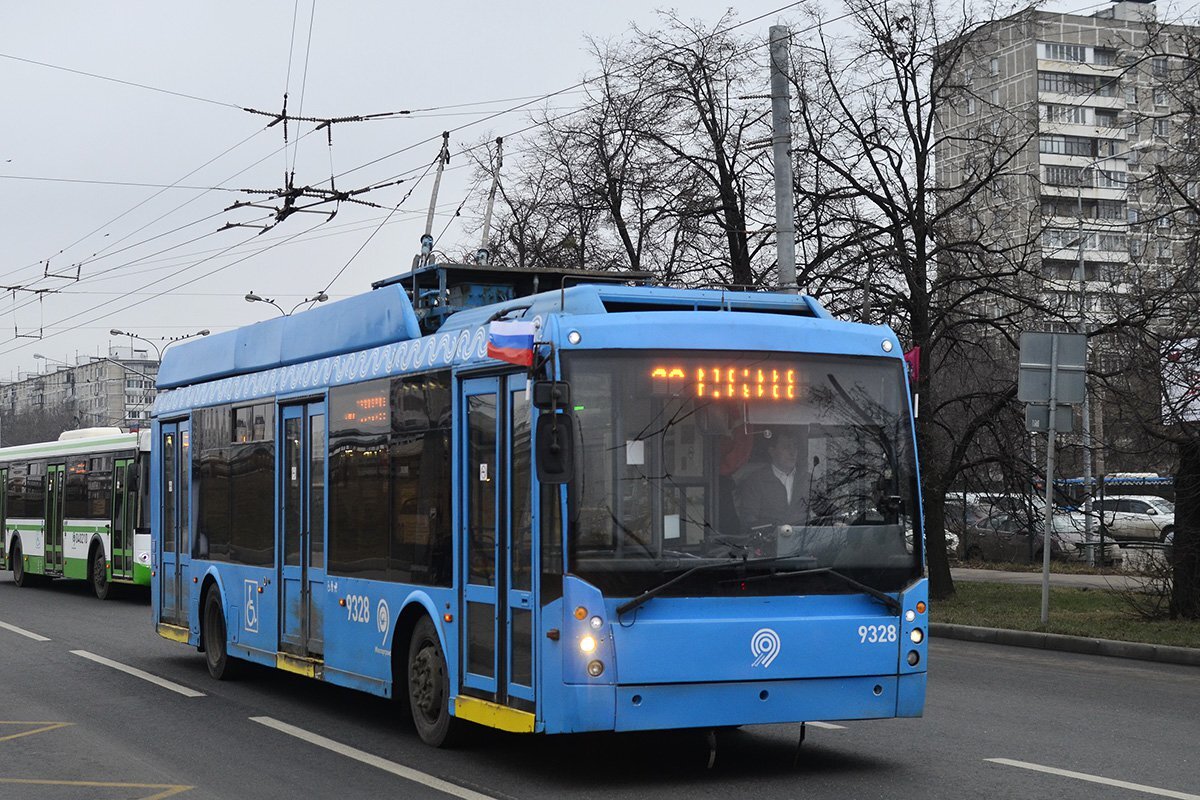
pixel 117 390
pixel 1078 110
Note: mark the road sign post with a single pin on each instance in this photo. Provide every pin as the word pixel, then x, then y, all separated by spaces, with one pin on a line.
pixel 1053 372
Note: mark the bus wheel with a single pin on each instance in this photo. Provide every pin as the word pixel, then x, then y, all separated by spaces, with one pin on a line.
pixel 18 566
pixel 99 571
pixel 221 665
pixel 429 687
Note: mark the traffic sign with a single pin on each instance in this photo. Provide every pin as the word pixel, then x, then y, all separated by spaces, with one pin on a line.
pixel 1033 379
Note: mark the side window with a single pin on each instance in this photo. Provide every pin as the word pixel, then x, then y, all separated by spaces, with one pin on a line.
pixel 15 499
pixel 99 487
pixel 1139 507
pixel 359 495
pixel 211 449
pixel 1123 506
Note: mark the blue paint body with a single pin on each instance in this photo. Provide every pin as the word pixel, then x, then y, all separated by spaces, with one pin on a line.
pixel 675 661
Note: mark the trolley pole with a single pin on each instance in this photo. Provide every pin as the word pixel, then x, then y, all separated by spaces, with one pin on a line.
pixel 781 140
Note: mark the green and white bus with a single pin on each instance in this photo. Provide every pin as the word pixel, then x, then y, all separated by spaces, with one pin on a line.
pixel 72 509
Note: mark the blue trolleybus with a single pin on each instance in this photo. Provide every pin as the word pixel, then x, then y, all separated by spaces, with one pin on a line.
pixel 678 509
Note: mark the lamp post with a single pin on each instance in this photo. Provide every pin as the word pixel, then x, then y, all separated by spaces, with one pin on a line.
pixel 1086 410
pixel 319 297
pixel 158 351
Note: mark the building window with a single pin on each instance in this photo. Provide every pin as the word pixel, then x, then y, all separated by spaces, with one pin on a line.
pixel 1164 248
pixel 1057 51
pixel 1158 66
pixel 1073 115
pixel 1160 96
pixel 995 96
pixel 1162 127
pixel 1131 94
pixel 994 66
pixel 970 107
pixel 1110 179
pixel 1067 145
pixel 1104 57
pixel 969 76
pixel 1106 118
pixel 1066 176
pixel 1110 209
pixel 1164 221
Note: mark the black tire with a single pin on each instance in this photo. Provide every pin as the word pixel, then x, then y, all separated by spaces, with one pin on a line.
pixel 221 665
pixel 429 688
pixel 20 578
pixel 98 573
pixel 974 554
pixel 1164 533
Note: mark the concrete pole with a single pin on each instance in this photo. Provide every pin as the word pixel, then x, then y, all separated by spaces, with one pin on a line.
pixel 781 139
pixel 1087 406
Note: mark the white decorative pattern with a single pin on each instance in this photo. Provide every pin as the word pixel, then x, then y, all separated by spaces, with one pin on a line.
pixel 430 352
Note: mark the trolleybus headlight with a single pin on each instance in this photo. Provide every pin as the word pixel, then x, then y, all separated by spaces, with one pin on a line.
pixel 914 658
pixel 595 668
pixel 910 615
pixel 587 644
pixel 917 635
pixel 596 622
pixel 574 338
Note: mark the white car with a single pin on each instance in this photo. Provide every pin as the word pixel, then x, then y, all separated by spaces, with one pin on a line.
pixel 1071 532
pixel 1136 517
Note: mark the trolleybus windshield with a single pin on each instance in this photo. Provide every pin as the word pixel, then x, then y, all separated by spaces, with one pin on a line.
pixel 690 457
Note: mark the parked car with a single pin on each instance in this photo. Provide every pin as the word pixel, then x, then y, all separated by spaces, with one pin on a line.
pixel 1018 538
pixel 1136 517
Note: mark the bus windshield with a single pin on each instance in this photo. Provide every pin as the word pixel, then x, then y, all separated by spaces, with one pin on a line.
pixel 685 458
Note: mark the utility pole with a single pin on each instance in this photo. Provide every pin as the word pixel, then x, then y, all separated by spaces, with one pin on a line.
pixel 781 140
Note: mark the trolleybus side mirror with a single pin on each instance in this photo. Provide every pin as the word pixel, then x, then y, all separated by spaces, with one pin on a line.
pixel 555 448
pixel 551 395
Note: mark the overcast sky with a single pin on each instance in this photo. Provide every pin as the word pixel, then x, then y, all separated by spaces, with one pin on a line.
pixel 150 256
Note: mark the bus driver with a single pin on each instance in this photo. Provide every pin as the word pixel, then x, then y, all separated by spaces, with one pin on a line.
pixel 775 493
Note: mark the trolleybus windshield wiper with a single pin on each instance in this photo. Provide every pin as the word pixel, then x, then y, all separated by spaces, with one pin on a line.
pixel 892 603
pixel 653 592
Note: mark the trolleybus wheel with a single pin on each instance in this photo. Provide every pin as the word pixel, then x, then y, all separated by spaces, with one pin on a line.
pixel 429 687
pixel 99 573
pixel 221 665
pixel 18 567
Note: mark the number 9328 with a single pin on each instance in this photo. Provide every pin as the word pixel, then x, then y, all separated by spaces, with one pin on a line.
pixel 876 634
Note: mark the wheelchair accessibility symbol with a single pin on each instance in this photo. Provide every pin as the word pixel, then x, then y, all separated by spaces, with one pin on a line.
pixel 250 612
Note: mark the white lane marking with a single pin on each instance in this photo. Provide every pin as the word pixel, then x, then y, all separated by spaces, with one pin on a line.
pixel 828 726
pixel 37 637
pixel 402 771
pixel 137 673
pixel 1083 776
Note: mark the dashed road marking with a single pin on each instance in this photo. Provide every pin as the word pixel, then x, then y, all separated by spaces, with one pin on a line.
pixel 37 637
pixel 137 673
pixel 828 726
pixel 408 773
pixel 166 789
pixel 1083 776
pixel 42 727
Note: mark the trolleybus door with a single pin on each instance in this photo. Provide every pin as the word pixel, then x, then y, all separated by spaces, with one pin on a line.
pixel 54 519
pixel 123 518
pixel 176 521
pixel 498 606
pixel 302 529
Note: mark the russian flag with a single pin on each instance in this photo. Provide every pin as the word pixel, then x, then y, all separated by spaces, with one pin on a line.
pixel 511 341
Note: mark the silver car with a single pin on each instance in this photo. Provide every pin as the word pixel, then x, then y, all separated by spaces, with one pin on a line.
pixel 1136 517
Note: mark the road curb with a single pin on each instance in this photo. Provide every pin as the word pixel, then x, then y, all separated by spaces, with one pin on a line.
pixel 1163 654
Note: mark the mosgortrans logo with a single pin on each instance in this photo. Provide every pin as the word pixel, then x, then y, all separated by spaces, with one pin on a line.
pixel 765 646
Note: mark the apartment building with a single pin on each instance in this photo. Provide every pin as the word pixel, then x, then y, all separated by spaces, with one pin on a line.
pixel 98 391
pixel 1068 115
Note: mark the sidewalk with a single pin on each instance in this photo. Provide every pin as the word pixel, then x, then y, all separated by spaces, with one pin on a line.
pixel 1053 641
pixel 1117 582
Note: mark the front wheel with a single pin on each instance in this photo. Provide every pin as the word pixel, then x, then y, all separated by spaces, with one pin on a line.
pixel 221 665
pixel 98 569
pixel 429 688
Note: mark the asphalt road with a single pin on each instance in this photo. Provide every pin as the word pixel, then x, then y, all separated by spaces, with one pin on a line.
pixel 73 727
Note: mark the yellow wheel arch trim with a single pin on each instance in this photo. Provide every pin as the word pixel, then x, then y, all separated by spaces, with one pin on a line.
pixel 493 715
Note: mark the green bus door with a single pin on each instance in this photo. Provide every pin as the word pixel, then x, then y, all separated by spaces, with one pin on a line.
pixel 124 507
pixel 54 519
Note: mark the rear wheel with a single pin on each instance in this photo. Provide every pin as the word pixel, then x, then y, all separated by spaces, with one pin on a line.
pixel 1164 533
pixel 221 665
pixel 974 554
pixel 98 569
pixel 429 688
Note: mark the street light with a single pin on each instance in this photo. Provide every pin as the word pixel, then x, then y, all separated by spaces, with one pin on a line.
pixel 1086 410
pixel 158 351
pixel 319 297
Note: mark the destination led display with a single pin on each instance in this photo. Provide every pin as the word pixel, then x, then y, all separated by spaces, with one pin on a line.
pixel 722 382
